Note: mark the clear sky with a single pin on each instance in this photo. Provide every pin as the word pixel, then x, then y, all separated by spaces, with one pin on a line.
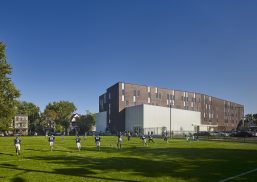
pixel 74 50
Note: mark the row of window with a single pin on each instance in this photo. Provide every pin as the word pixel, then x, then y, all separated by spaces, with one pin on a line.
pixel 21 118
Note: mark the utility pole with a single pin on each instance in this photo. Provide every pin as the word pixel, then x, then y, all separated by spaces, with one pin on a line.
pixel 170 119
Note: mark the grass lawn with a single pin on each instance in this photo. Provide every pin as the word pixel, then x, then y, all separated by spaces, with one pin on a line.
pixel 203 161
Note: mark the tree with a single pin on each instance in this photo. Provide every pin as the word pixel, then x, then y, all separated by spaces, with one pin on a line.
pixel 8 92
pixel 60 113
pixel 33 113
pixel 255 118
pixel 86 122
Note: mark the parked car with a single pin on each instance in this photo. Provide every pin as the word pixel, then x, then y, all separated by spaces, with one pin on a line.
pixel 202 133
pixel 241 134
pixel 55 133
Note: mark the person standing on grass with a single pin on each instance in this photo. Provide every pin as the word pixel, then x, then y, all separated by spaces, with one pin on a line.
pixel 119 141
pixel 51 142
pixel 17 144
pixel 97 141
pixel 150 138
pixel 144 140
pixel 129 135
pixel 78 142
pixel 165 137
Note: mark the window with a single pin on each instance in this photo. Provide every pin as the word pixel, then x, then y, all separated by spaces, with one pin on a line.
pixel 127 103
pixel 122 86
pixel 149 100
pixel 122 98
pixel 109 95
pixel 156 95
pixel 156 90
pixel 160 96
pixel 148 89
pixel 134 98
pixel 168 96
pixel 138 93
pixel 123 92
pixel 149 95
pixel 135 93
pixel 109 109
pixel 104 98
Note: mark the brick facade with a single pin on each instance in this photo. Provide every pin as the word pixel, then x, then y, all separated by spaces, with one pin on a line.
pixel 214 111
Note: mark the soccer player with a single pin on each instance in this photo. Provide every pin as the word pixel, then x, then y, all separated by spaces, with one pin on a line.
pixel 17 144
pixel 97 141
pixel 129 135
pixel 78 143
pixel 119 141
pixel 165 137
pixel 150 138
pixel 144 140
pixel 51 142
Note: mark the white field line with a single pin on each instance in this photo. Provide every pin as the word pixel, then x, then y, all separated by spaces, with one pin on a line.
pixel 239 175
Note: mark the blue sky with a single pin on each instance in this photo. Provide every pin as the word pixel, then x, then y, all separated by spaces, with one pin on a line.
pixel 74 50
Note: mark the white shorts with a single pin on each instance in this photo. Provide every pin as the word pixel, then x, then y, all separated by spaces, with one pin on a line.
pixel 78 145
pixel 98 144
pixel 18 146
pixel 51 144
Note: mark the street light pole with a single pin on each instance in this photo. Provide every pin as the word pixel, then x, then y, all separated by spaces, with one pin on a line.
pixel 170 120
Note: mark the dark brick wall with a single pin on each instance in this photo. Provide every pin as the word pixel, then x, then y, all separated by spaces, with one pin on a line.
pixel 214 111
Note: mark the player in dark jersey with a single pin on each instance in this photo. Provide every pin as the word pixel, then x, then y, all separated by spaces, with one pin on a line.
pixel 17 144
pixel 97 141
pixel 165 137
pixel 129 136
pixel 51 142
pixel 78 142
pixel 119 142
pixel 150 138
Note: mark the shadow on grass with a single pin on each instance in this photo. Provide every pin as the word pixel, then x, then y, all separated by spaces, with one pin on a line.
pixel 18 179
pixel 6 154
pixel 199 164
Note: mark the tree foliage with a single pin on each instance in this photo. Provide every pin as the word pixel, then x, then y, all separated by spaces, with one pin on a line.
pixel 251 118
pixel 8 92
pixel 86 122
pixel 33 113
pixel 60 112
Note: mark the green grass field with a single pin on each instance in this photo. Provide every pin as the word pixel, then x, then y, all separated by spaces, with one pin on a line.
pixel 177 160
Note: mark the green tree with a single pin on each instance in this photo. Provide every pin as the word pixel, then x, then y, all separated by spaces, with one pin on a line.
pixel 255 118
pixel 86 122
pixel 60 113
pixel 8 92
pixel 33 113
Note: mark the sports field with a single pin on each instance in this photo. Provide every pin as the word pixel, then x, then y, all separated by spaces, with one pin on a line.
pixel 178 160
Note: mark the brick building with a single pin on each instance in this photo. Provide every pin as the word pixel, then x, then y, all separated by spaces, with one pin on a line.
pixel 216 113
pixel 20 124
